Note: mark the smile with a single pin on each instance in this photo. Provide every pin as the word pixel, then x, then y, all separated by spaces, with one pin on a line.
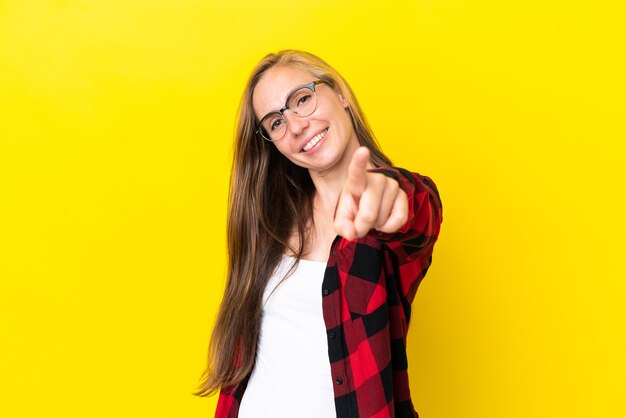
pixel 317 138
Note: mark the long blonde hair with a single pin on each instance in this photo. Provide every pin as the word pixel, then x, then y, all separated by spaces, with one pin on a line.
pixel 269 196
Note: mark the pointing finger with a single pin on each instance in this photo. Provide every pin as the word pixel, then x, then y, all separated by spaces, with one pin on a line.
pixel 357 171
pixel 370 204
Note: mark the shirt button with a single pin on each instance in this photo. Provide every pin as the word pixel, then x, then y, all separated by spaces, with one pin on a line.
pixel 331 335
pixel 326 292
pixel 334 252
pixel 339 380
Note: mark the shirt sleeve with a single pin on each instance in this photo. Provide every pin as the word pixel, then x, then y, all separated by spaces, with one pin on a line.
pixel 412 245
pixel 425 210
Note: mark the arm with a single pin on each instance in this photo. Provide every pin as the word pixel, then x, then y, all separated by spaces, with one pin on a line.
pixel 398 208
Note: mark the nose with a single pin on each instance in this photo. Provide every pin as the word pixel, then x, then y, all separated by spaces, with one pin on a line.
pixel 296 125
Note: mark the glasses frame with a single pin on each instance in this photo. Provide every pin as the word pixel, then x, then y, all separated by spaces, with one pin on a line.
pixel 311 86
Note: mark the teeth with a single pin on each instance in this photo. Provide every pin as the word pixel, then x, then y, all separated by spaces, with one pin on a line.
pixel 315 140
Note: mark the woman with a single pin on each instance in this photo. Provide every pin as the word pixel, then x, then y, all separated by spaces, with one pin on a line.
pixel 327 245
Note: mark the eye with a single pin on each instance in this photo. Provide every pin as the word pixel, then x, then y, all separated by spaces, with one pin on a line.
pixel 275 124
pixel 272 122
pixel 300 100
pixel 304 99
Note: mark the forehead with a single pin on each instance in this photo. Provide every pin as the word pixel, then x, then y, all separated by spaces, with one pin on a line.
pixel 274 86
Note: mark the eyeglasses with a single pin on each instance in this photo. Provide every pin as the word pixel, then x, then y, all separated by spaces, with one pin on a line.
pixel 301 102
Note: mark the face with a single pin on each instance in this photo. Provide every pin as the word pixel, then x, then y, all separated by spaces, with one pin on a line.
pixel 321 142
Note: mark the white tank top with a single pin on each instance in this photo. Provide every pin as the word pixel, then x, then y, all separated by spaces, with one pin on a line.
pixel 291 376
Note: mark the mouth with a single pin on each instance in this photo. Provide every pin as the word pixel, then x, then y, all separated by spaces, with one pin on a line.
pixel 317 138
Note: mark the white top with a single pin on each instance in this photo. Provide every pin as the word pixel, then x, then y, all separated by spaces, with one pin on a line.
pixel 291 376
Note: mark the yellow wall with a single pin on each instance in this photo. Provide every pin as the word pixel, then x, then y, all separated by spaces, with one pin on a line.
pixel 115 126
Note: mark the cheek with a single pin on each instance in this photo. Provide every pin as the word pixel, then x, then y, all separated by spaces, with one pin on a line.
pixel 282 147
pixel 340 114
pixel 343 119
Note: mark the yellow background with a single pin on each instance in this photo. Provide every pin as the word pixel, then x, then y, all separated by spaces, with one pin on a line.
pixel 115 125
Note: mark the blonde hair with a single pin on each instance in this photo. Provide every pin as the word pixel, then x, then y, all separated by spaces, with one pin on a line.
pixel 269 197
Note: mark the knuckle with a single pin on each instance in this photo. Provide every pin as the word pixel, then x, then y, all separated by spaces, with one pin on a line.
pixel 376 178
pixel 403 216
pixel 368 216
pixel 393 185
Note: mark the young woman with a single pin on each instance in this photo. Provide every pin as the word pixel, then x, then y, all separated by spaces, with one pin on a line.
pixel 327 244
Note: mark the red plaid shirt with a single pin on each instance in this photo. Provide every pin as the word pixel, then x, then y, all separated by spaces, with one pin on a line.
pixel 367 291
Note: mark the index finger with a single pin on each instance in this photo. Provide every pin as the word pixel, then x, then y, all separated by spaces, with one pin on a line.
pixel 357 171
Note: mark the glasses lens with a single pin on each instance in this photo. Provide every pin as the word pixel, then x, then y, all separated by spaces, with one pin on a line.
pixel 273 127
pixel 302 102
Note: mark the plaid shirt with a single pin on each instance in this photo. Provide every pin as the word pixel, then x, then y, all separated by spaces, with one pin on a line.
pixel 367 291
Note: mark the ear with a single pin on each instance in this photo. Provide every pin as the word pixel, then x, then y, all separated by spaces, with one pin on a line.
pixel 343 100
